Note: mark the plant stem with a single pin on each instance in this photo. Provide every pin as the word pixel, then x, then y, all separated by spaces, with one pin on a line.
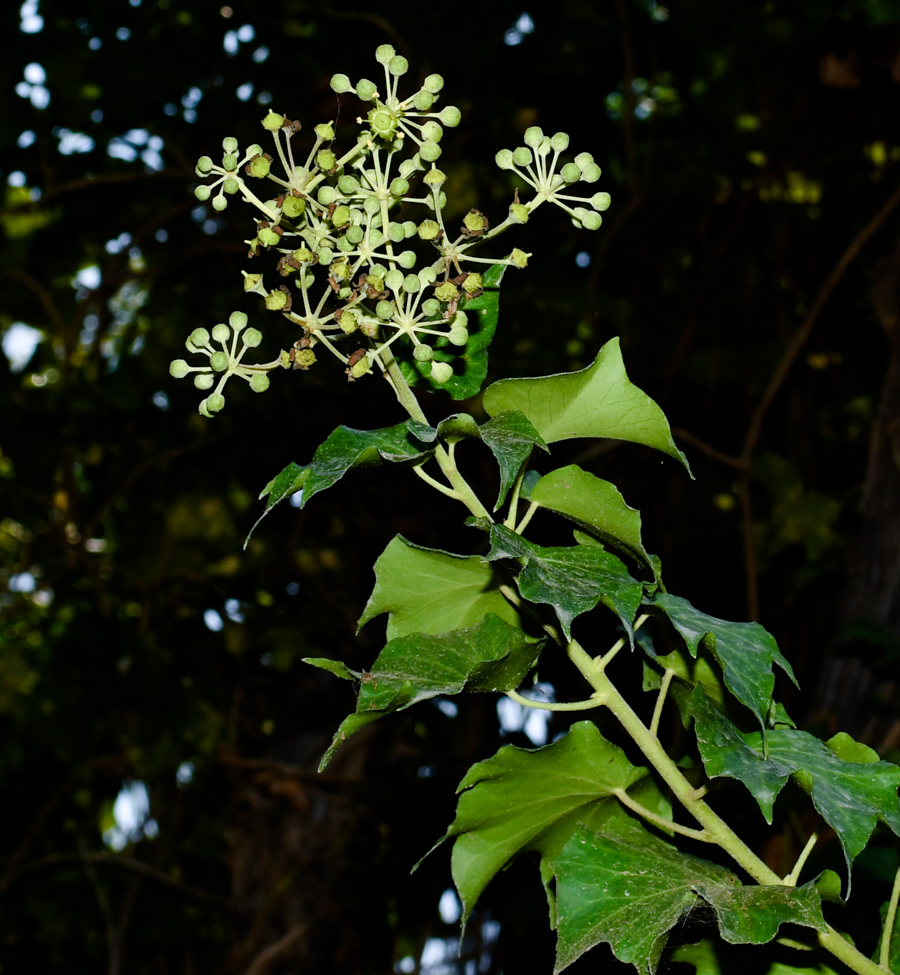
pixel 888 932
pixel 527 702
pixel 791 878
pixel 661 821
pixel 660 700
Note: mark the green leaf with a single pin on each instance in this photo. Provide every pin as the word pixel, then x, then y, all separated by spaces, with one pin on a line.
pixel 336 667
pixel 595 505
pixel 624 886
pixel 746 652
pixel 489 656
pixel 511 437
pixel 532 799
pixel 426 590
pixel 721 959
pixel 599 401
pixel 460 426
pixel 571 579
pixel 469 362
pixel 850 796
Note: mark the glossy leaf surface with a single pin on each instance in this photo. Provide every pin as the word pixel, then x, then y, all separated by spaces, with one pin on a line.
pixel 511 438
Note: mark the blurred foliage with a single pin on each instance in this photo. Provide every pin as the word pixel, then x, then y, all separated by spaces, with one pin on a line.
pixel 745 146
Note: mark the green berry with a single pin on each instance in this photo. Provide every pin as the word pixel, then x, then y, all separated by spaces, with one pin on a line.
pixel 519 258
pixel 385 309
pixel 221 332
pixel 341 84
pixel 259 382
pixel 215 402
pixel 268 237
pixel 202 193
pixel 522 156
pixel 398 66
pixel 429 229
pixel 423 101
pixel 178 368
pixel 366 90
pixel 293 206
pixel 273 122
pixel 441 372
pixel 446 291
pixel 520 212
pixel 276 300
pixel 473 283
pixel 325 131
pixel 474 222
pixel 423 353
pixel 303 255
pixel 326 160
pixel 229 144
pixel 259 167
pixel 219 361
pixel 348 322
pixel 433 83
pixel 204 380
pixel 237 320
pixel 341 216
pixel 570 173
pixel 450 116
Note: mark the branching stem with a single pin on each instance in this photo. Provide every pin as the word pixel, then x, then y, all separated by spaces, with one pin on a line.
pixel 661 821
pixel 661 700
pixel 888 932
pixel 527 702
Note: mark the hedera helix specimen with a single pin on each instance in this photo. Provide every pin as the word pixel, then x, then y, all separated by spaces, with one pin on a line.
pixel 620 845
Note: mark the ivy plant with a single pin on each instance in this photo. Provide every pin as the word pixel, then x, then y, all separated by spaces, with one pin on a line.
pixel 358 258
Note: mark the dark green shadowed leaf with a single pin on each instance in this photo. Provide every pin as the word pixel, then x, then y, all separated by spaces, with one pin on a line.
pixel 511 438
pixel 722 959
pixel 600 401
pixel 595 505
pixel 624 886
pixel 746 652
pixel 572 579
pixel 469 362
pixel 426 590
pixel 489 656
pixel 532 799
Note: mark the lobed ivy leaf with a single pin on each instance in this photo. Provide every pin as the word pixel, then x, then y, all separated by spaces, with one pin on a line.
pixel 746 652
pixel 511 438
pixel 599 401
pixel 489 656
pixel 708 958
pixel 344 449
pixel 532 799
pixel 425 590
pixel 471 361
pixel 850 796
pixel 571 579
pixel 626 887
pixel 595 505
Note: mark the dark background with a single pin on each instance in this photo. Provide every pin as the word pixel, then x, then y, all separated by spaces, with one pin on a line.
pixel 749 263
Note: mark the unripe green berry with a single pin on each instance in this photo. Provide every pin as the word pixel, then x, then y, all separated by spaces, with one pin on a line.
pixel 429 229
pixel 458 336
pixel 433 83
pixel 253 283
pixel 273 122
pixel 237 320
pixel 423 353
pixel 423 101
pixel 341 216
pixel 219 361
pixel 293 206
pixel 325 131
pixel 326 195
pixel 303 255
pixel 570 173
pixel 394 279
pixel 229 144
pixel 385 309
pixel 441 372
pixel 178 368
pixel 473 283
pixel 341 84
pixel 229 162
pixel 268 237
pixel 435 178
pixel 399 187
pixel 533 136
pixel 365 89
pixel 259 167
pixel 601 201
pixel 198 338
pixel 259 382
pixel 304 358
pixel 591 173
pixel 446 291
pixel 504 159
pixel 215 402
pixel 252 337
pixel 202 193
pixel 348 185
pixel 219 203
pixel 383 122
pixel 221 332
pixel 398 66
pixel 354 236
pixel 326 160
pixel 519 211
pixel 431 307
pixel 519 258
pixel 276 300
pixel 412 284
pixel 204 380
pixel 430 151
pixel 450 116
pixel 522 156
pixel 340 270
pixel 474 222
pixel 348 322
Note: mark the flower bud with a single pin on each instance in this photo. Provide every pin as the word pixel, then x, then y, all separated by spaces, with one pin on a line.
pixel 326 160
pixel 409 228
pixel 423 353
pixel 341 84
pixel 394 279
pixel 348 322
pixel 433 83
pixel 219 203
pixel 430 151
pixel 431 132
pixel 348 185
pixel 407 259
pixel 450 116
pixel 229 162
pixel 371 205
pixel 253 150
pixel 325 255
pixel 473 283
pixel 204 166
pixel 560 142
pixel 434 178
pixel 355 235
pixel 230 186
pixel 259 167
pixel 219 361
pixel 221 332
pixel 385 309
pixel 237 320
pixel 198 338
pixel 431 307
pixel 395 232
pixel 458 336
pixel 326 195
pixel 591 221
pixel 341 216
pixel 427 275
pixel 273 122
pixel 204 380
pixel 570 173
pixel 268 237
pixel 276 300
pixel 504 159
pixel 215 402
pixel 583 159
pixel 522 156
pixel 441 371
pixel 229 144
pixel 533 136
pixel 520 212
pixel 591 173
pixel 366 90
pixel 384 53
pixel 429 229
pixel 325 131
pixel 412 284
pixel 446 291
pixel 519 258
pixel 399 187
pixel 252 337
pixel 398 66
pixel 202 193
pixel 178 368
pixel 259 382
pixel 601 201
pixel 293 206
pixel 423 101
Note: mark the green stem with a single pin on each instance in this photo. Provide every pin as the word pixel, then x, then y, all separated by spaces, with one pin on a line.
pixel 660 700
pixel 527 702
pixel 661 821
pixel 888 932
pixel 791 878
